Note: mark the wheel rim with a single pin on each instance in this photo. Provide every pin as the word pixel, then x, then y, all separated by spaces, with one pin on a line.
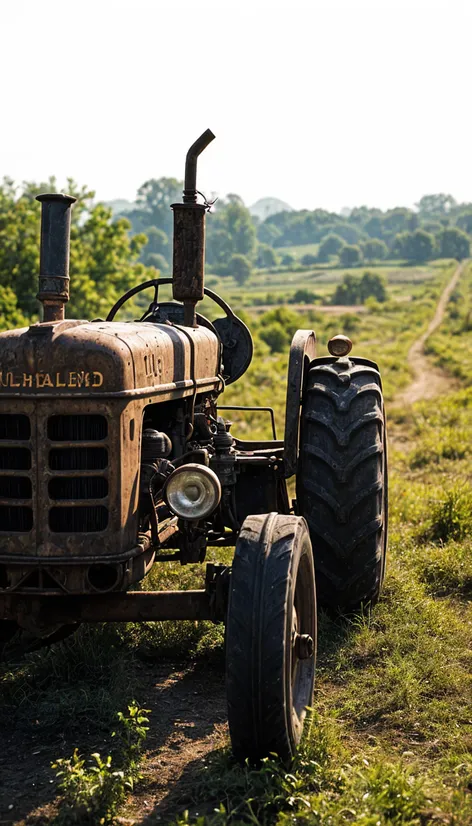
pixel 303 643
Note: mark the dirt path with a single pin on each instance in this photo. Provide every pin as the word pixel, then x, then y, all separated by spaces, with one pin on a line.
pixel 429 381
pixel 187 701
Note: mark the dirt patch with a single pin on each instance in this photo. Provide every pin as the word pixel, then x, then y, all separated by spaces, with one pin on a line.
pixel 187 722
pixel 429 381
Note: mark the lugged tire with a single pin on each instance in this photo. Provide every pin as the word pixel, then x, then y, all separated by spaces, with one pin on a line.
pixel 342 481
pixel 268 686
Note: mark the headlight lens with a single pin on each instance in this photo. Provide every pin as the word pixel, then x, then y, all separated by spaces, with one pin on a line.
pixel 193 492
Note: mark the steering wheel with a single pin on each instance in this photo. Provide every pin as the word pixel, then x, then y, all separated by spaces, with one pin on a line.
pixel 235 336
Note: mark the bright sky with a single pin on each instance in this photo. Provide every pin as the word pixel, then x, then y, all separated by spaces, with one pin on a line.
pixel 326 104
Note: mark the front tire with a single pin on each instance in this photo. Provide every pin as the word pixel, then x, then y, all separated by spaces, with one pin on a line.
pixel 270 637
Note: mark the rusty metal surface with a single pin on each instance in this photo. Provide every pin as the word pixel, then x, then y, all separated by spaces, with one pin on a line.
pixel 54 257
pixel 100 359
pixel 190 182
pixel 189 252
pixel 109 370
pixel 133 606
pixel 302 352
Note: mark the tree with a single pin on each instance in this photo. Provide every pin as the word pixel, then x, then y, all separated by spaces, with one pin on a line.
pixel 355 290
pixel 350 255
pixel 10 315
pixel 268 233
pixel 348 291
pixel 417 246
pixel 158 262
pixel 103 258
pixel 157 244
pixel 304 296
pixel 374 250
pixel 453 243
pixel 430 206
pixel 308 260
pixel 240 268
pixel 372 285
pixel 266 257
pixel 330 245
pixel 230 231
pixel 153 202
pixel 464 221
pixel 275 336
pixel 288 260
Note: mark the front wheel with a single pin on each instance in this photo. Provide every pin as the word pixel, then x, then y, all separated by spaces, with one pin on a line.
pixel 270 636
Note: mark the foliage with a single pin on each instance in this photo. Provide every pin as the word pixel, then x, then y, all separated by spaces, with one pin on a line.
pixel 230 231
pixel 414 246
pixel 92 790
pixel 10 315
pixel 350 255
pixel 103 258
pixel 240 268
pixel 330 245
pixel 288 259
pixel 275 336
pixel 308 260
pixel 304 296
pixel 266 256
pixel 436 205
pixel 374 250
pixel 153 202
pixel 157 244
pixel 355 290
pixel 453 243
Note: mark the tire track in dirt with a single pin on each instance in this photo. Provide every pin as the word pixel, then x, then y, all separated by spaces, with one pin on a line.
pixel 429 381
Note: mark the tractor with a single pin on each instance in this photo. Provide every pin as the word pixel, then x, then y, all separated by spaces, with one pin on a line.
pixel 115 456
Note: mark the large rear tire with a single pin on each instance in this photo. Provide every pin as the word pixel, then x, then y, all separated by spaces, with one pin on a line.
pixel 342 481
pixel 270 636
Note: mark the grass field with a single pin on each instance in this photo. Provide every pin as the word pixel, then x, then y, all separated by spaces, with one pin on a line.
pixel 390 740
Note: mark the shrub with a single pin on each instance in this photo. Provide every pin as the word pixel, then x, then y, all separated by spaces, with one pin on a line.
pixel 350 255
pixel 275 336
pixel 308 260
pixel 451 517
pixel 92 790
pixel 304 296
pixel 288 260
pixel 240 268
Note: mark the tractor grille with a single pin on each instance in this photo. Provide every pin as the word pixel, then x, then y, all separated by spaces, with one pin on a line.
pixel 78 470
pixel 16 512
pixel 77 428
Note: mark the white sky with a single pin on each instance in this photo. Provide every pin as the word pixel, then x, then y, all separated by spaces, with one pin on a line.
pixel 326 104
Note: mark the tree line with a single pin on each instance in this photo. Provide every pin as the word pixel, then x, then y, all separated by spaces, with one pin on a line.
pixel 109 254
pixel 238 241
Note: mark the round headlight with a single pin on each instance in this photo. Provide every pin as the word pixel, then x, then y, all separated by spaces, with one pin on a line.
pixel 193 492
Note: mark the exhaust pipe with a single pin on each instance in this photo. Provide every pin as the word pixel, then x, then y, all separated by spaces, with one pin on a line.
pixel 54 254
pixel 189 237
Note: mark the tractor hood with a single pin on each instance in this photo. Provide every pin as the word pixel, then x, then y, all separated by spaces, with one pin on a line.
pixel 77 358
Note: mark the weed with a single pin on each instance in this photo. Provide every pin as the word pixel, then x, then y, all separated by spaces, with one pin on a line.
pixel 451 516
pixel 93 789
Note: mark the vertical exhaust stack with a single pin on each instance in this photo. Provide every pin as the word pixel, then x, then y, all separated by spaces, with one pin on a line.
pixel 189 237
pixel 54 254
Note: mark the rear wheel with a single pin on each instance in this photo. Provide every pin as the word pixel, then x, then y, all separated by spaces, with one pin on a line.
pixel 342 480
pixel 270 636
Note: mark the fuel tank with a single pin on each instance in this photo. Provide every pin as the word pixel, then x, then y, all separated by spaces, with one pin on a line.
pixel 100 359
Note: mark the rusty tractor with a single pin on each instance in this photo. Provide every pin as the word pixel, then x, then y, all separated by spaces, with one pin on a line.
pixel 116 456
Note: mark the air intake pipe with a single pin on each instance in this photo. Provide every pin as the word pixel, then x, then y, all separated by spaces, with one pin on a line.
pixel 189 237
pixel 54 254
